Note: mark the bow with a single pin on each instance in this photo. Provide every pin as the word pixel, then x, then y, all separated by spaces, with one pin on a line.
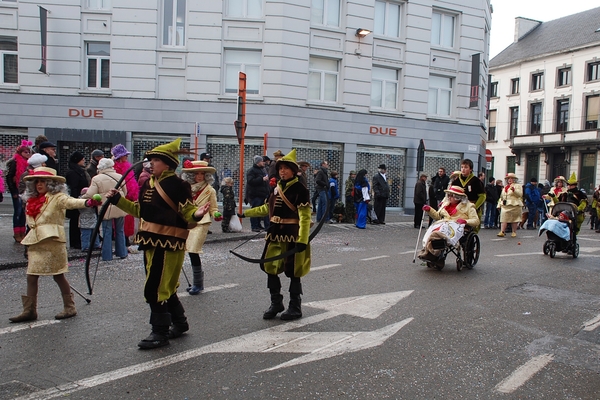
pixel 95 232
pixel 288 253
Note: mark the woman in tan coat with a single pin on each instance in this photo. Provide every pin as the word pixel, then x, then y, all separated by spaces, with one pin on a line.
pixel 201 177
pixel 510 205
pixel 47 200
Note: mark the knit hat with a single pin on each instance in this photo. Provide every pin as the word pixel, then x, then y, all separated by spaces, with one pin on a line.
pixel 168 153
pixel 105 163
pixel 97 153
pixel 257 159
pixel 119 151
pixel 44 173
pixel 197 166
pixel 37 160
pixel 76 157
pixel 353 172
pixel 573 179
pixel 456 190
pixel 290 160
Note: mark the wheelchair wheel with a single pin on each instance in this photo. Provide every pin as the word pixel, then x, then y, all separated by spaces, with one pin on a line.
pixel 576 250
pixel 552 249
pixel 459 264
pixel 546 247
pixel 471 251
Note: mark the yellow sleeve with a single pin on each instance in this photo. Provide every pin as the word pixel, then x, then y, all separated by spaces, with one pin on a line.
pixel 303 232
pixel 130 207
pixel 260 211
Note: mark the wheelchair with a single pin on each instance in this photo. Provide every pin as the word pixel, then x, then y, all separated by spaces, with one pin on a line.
pixel 467 251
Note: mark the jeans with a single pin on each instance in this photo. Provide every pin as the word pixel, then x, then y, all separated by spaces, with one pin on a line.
pixel 107 233
pixel 322 205
pixel 532 214
pixel 18 212
pixel 86 236
pixel 255 221
pixel 490 215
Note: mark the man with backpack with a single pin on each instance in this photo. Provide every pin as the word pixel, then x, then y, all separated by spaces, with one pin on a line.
pixel 532 198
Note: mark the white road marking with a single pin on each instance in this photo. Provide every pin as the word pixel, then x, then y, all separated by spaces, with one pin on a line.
pixel 325 267
pixel 329 345
pixel 407 252
pixel 373 258
pixel 211 289
pixel 342 226
pixel 519 254
pixel 592 324
pixel 22 327
pixel 524 373
pixel 588 239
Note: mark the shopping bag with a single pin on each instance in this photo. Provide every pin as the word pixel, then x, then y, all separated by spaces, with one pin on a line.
pixel 235 225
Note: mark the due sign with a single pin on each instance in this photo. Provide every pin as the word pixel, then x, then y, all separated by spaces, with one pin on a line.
pixel 90 113
pixel 374 130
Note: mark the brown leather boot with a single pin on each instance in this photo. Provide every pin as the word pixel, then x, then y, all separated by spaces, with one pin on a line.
pixel 69 310
pixel 29 310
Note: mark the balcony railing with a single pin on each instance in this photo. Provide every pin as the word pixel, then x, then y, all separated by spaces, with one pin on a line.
pixel 556 139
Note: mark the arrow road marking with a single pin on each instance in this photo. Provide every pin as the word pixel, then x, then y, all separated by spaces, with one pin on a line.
pixel 329 344
pixel 524 373
pixel 22 327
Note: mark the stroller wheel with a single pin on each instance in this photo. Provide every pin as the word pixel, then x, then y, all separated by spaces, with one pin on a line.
pixel 552 250
pixel 546 247
pixel 576 250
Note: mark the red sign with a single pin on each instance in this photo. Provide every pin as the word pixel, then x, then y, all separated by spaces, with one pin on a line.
pixel 382 131
pixel 488 155
pixel 90 113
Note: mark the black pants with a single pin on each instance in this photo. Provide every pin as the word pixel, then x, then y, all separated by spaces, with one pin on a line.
pixel 380 204
pixel 418 214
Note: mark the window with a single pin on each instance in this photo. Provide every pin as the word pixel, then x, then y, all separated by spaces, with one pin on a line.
pixel 98 4
pixel 492 125
pixel 244 61
pixel 537 81
pixel 325 12
pixel 494 89
pixel 514 86
pixel 323 79
pixel 442 29
pixel 384 88
pixel 511 164
pixel 244 8
pixel 587 172
pixel 593 71
pixel 174 23
pixel 98 64
pixel 9 60
pixel 562 115
pixel 514 121
pixel 592 109
pixel 387 19
pixel 440 95
pixel 535 115
pixel 563 77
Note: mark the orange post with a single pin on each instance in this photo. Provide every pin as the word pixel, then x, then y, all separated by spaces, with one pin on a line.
pixel 240 130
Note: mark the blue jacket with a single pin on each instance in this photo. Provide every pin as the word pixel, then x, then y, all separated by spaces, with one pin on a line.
pixel 334 190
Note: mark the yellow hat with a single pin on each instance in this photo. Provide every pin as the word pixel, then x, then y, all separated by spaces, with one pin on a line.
pixel 572 180
pixel 44 173
pixel 290 160
pixel 167 153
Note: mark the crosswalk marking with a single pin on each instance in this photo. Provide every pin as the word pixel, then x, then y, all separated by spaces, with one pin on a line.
pixel 22 327
pixel 524 373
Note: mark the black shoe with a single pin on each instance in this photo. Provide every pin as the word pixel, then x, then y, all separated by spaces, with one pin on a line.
pixel 257 230
pixel 382 223
pixel 294 310
pixel 375 222
pixel 209 232
pixel 275 308
pixel 153 341
pixel 177 330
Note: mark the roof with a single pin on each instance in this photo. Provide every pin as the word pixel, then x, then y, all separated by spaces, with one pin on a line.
pixel 559 35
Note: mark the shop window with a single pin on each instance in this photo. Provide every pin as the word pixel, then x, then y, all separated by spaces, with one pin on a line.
pixel 244 8
pixel 537 81
pixel 442 29
pixel 440 96
pixel 9 60
pixel 98 65
pixel 593 71
pixel 492 125
pixel 384 88
pixel 247 61
pixel 535 118
pixel 325 13
pixel 323 76
pixel 514 86
pixel 514 121
pixel 563 77
pixel 592 110
pixel 562 115
pixel 388 18
pixel 174 13
pixel 98 4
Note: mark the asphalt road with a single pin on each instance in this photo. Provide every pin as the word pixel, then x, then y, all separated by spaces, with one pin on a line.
pixel 376 325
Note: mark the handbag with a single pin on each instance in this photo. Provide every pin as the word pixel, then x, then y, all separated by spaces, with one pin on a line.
pixel 235 225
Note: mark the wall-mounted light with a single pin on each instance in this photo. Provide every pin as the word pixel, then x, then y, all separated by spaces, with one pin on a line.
pixel 361 33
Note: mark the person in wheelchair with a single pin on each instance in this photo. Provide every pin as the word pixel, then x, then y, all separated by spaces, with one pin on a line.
pixel 454 215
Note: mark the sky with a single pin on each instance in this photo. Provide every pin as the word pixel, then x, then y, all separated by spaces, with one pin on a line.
pixel 505 12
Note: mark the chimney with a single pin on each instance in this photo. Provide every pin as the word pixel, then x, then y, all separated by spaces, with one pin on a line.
pixel 523 26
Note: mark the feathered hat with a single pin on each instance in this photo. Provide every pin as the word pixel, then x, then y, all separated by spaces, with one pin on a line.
pixel 168 153
pixel 290 160
pixel 456 190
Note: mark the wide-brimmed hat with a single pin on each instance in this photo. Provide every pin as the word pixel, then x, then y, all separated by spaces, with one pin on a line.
pixel 572 180
pixel 290 160
pixel 511 175
pixel 197 166
pixel 44 173
pixel 119 151
pixel 456 190
pixel 560 178
pixel 168 153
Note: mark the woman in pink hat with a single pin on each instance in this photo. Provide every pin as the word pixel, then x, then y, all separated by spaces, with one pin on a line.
pixel 120 153
pixel 510 205
pixel 15 168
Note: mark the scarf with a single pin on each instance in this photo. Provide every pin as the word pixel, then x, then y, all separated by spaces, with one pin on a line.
pixel 451 208
pixel 21 166
pixel 35 204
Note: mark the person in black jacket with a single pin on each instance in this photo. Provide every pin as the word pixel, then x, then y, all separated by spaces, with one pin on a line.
pixel 440 183
pixel 257 186
pixel 491 202
pixel 322 188
pixel 420 199
pixel 381 191
pixel 77 178
pixel 48 149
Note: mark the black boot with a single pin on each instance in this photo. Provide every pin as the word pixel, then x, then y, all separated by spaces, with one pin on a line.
pixel 294 310
pixel 179 320
pixel 160 331
pixel 276 306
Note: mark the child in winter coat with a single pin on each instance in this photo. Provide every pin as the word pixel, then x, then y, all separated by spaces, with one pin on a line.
pixel 87 223
pixel 228 203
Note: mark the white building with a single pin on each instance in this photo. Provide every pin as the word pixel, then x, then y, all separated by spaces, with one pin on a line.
pixel 545 100
pixel 141 72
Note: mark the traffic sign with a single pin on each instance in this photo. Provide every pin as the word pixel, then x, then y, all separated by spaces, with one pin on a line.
pixel 488 155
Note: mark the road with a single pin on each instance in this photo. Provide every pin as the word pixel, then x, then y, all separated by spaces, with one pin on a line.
pixel 376 325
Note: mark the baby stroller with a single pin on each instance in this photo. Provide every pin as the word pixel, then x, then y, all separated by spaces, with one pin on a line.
pixel 560 233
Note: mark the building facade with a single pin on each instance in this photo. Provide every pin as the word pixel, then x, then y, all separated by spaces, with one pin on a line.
pixel 142 72
pixel 545 101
